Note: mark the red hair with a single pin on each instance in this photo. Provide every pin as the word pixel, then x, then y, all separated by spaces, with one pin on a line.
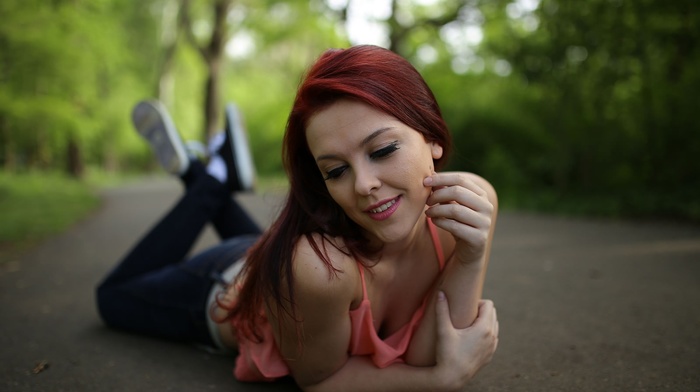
pixel 369 74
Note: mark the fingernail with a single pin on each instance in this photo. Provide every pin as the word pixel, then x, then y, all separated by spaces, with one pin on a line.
pixel 428 181
pixel 441 295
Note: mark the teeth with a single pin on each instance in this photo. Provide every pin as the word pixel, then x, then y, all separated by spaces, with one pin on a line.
pixel 383 207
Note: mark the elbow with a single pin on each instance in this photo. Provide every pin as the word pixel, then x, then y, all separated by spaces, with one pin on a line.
pixel 317 382
pixel 315 387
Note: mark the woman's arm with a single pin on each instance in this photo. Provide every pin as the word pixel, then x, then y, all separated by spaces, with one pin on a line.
pixel 318 358
pixel 465 205
pixel 460 355
pixel 315 345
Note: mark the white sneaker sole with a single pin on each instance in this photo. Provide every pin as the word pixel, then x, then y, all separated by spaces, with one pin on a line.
pixel 154 124
pixel 245 167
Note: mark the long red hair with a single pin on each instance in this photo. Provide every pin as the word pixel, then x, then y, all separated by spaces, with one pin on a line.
pixel 369 74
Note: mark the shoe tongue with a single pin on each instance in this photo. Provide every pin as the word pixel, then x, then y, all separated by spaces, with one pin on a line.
pixel 216 142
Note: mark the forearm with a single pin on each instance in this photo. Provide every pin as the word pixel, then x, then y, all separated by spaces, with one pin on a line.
pixel 360 374
pixel 463 286
pixel 462 280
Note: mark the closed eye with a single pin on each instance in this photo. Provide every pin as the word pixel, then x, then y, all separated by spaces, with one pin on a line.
pixel 335 173
pixel 385 151
pixel 378 154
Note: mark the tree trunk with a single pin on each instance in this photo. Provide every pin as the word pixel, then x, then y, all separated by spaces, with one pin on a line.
pixel 212 100
pixel 169 24
pixel 213 55
pixel 214 59
pixel 76 166
pixel 8 157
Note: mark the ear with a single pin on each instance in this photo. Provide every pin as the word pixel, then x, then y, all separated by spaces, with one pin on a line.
pixel 436 150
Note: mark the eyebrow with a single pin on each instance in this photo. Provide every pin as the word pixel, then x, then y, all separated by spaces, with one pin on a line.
pixel 364 142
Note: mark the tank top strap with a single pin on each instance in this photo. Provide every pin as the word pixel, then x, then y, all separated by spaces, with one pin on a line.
pixel 362 278
pixel 436 243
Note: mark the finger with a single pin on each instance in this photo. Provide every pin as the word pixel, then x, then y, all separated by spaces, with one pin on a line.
pixel 460 214
pixel 460 195
pixel 454 178
pixel 442 313
pixel 487 305
pixel 490 313
pixel 474 238
pixel 485 316
pixel 496 325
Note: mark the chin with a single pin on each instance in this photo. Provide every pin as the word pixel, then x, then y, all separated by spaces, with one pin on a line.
pixel 396 232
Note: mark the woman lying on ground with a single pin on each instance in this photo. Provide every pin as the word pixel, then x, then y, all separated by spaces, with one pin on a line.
pixel 349 287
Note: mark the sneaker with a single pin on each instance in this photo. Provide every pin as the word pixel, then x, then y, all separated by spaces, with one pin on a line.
pixel 153 122
pixel 196 150
pixel 236 152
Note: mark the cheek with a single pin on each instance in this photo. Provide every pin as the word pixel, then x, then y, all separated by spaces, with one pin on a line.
pixel 339 194
pixel 426 166
pixel 412 174
pixel 425 163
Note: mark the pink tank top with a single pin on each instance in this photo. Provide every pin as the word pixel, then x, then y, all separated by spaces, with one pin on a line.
pixel 363 339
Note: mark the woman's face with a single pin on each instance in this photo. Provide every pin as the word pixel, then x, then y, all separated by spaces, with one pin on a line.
pixel 374 166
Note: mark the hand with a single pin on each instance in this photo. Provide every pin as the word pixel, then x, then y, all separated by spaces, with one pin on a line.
pixel 459 205
pixel 461 353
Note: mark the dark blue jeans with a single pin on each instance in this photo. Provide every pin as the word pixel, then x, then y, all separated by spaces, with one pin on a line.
pixel 156 290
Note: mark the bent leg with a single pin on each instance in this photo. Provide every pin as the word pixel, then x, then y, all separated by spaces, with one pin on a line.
pixel 169 241
pixel 232 219
pixel 170 302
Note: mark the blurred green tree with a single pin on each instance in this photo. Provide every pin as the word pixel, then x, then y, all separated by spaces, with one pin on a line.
pixel 65 69
pixel 587 104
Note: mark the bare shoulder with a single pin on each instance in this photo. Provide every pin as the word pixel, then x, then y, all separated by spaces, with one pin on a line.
pixel 322 300
pixel 314 279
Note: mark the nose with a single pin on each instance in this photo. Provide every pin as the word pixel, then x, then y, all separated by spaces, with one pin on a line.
pixel 366 181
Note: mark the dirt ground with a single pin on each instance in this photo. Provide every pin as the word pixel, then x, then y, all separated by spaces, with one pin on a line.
pixel 583 305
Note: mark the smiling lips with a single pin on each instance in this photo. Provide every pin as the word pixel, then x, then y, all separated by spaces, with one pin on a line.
pixel 385 210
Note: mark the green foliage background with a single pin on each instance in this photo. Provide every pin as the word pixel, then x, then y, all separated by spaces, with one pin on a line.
pixel 595 111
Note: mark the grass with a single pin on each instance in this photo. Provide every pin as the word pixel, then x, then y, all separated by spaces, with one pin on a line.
pixel 36 205
pixel 271 183
pixel 628 204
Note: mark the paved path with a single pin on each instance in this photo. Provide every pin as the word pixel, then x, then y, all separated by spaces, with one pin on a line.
pixel 583 306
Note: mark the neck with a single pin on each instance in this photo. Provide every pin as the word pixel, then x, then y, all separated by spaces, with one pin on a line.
pixel 410 245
